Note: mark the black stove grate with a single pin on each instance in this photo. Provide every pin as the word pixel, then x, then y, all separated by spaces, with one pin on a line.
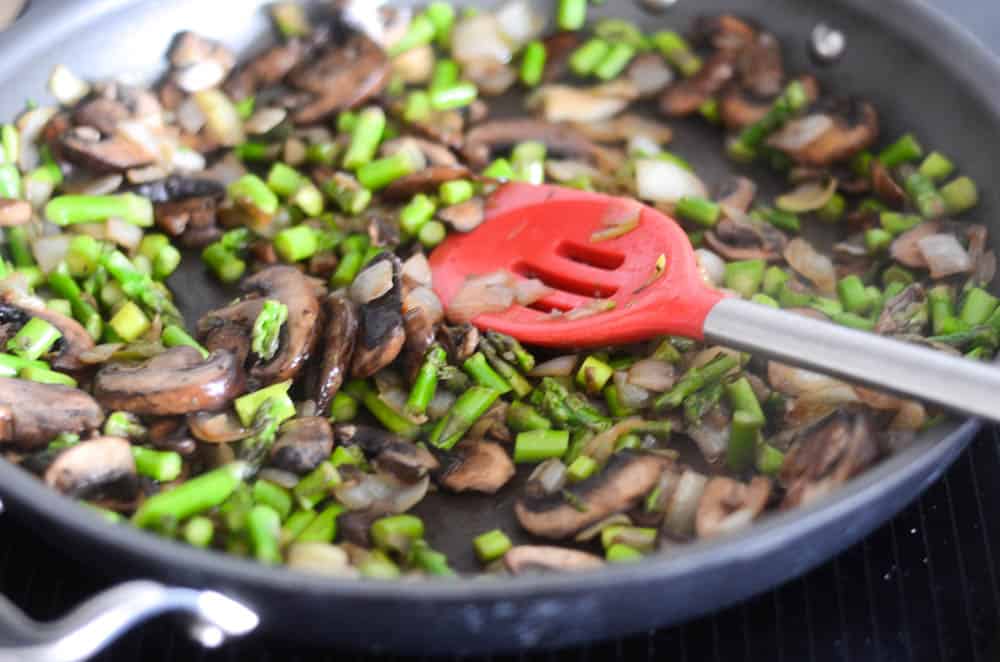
pixel 923 587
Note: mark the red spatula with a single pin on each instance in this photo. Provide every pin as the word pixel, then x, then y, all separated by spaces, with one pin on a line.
pixel 651 275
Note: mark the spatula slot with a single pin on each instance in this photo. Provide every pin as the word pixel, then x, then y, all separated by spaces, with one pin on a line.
pixel 565 282
pixel 600 258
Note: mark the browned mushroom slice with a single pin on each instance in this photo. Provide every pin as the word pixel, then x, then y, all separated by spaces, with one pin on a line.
pixel 115 154
pixel 746 241
pixel 465 216
pixel 405 460
pixel 381 333
pixel 14 212
pixel 459 341
pixel 422 314
pixel 626 478
pixel 338 338
pixel 477 466
pixel 685 96
pixel 855 128
pixel 341 78
pixel 179 381
pixel 230 327
pixel 74 341
pixel 102 113
pixel 481 141
pixel 43 411
pixel 827 455
pixel 91 464
pixel 760 65
pixel 524 559
pixel 302 444
pixel 428 180
pixel 436 153
pixel 739 107
pixel 886 187
pixel 728 505
pixel 558 48
pixel 185 207
pixel 724 32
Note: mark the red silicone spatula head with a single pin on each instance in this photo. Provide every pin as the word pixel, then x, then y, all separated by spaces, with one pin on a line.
pixel 546 232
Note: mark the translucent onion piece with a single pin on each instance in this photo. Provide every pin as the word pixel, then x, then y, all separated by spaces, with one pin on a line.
pixel 561 366
pixel 492 293
pixel 665 181
pixel 711 266
pixel 652 375
pixel 809 196
pixel 67 87
pixel 944 255
pixel 812 264
pixel 799 133
pixel 50 251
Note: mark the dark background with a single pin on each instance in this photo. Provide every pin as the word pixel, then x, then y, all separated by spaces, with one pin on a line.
pixel 924 587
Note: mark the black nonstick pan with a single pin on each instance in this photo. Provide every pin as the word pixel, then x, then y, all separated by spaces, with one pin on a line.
pixel 922 72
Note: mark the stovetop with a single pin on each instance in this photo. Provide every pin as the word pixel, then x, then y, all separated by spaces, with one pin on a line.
pixel 923 587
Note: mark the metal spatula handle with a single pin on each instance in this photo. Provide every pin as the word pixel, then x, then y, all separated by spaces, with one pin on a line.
pixel 954 383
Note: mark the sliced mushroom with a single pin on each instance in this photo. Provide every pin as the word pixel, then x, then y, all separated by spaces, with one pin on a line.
pixel 886 187
pixel 185 207
pixel 43 411
pixel 724 32
pixel 483 140
pixel 381 327
pixel 728 505
pixel 230 327
pixel 178 381
pixel 740 240
pixel 558 48
pixel 91 464
pixel 524 559
pixel 477 466
pixel 855 128
pixel 685 96
pixel 75 339
pixel 338 338
pixel 266 69
pixel 436 153
pixel 428 180
pixel 114 154
pixel 341 78
pixel 406 461
pixel 422 314
pixel 626 478
pixel 302 444
pixel 101 112
pixel 760 65
pixel 828 455
pixel 739 107
pixel 460 341
pixel 465 216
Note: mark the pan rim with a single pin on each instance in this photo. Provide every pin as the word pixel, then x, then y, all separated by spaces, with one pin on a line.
pixel 970 63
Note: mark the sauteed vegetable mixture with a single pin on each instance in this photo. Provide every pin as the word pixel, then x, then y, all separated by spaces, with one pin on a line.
pixel 303 421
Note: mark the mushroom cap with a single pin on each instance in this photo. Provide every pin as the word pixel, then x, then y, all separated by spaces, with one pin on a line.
pixel 178 381
pixel 74 341
pixel 337 339
pixel 302 444
pixel 43 411
pixel 90 464
pixel 727 504
pixel 625 479
pixel 477 466
pixel 527 558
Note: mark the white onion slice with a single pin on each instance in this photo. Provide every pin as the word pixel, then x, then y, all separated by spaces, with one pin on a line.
pixel 50 251
pixel 652 375
pixel 479 37
pixel 665 181
pixel 798 133
pixel 124 234
pixel 67 87
pixel 519 22
pixel 944 255
pixel 812 264
pixel 561 366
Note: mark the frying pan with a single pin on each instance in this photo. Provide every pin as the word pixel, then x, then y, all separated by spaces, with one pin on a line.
pixel 922 72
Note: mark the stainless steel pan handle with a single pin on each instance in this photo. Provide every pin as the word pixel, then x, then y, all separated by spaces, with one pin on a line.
pixel 103 618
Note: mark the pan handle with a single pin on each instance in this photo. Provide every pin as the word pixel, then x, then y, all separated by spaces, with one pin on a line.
pixel 103 618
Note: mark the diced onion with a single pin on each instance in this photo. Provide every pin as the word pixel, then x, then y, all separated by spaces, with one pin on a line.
pixel 372 282
pixel 50 251
pixel 382 491
pixel 200 75
pixel 712 440
pixel 631 396
pixel 650 74
pixel 561 366
pixel 812 264
pixel 189 116
pixel 944 255
pixel 124 234
pixel 519 22
pixel 480 295
pixel 798 133
pixel 221 117
pixel 67 87
pixel 479 37
pixel 550 475
pixel 711 266
pixel 652 374
pixel 665 181
pixel 415 66
pixel 529 290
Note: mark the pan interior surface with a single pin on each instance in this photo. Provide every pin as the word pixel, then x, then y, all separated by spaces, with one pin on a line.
pixel 924 77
